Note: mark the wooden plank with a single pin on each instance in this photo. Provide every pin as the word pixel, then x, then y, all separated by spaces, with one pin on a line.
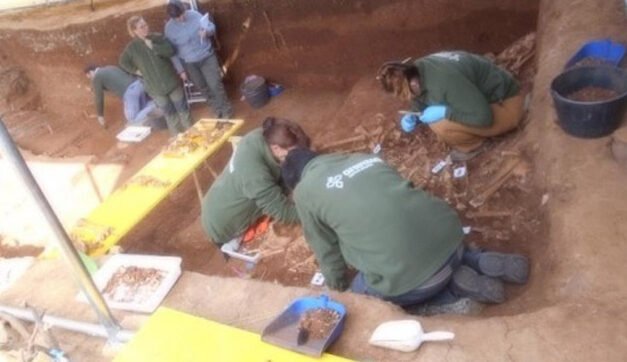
pixel 170 335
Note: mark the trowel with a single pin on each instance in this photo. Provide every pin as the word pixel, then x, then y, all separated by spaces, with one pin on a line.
pixel 405 335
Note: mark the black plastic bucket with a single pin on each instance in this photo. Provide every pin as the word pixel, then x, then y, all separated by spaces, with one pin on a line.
pixel 590 119
pixel 255 91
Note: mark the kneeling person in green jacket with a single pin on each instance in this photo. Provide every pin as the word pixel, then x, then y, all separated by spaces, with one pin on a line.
pixel 405 244
pixel 463 97
pixel 248 187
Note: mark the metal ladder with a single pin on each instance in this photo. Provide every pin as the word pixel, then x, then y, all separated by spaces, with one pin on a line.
pixel 192 94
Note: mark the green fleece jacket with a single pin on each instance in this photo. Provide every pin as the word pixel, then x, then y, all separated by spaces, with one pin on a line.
pixel 154 64
pixel 109 78
pixel 356 210
pixel 247 189
pixel 466 83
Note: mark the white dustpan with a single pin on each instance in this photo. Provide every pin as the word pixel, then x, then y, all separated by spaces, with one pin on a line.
pixel 405 336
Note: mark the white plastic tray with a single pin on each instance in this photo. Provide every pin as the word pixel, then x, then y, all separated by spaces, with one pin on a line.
pixel 247 258
pixel 170 265
pixel 133 134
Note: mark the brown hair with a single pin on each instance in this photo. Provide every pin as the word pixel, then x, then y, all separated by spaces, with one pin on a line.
pixel 284 133
pixel 131 24
pixel 394 78
pixel 174 9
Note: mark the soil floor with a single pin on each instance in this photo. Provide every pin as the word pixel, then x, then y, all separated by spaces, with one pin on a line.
pixel 563 203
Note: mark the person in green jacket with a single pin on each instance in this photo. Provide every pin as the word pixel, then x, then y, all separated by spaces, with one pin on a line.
pixel 463 97
pixel 150 55
pixel 139 109
pixel 405 244
pixel 248 187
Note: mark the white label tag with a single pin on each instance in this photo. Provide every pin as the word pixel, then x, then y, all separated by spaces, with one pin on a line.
pixel 459 172
pixel 438 167
pixel 318 279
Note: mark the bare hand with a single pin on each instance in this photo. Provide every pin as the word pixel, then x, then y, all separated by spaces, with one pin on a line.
pixel 148 43
pixel 183 76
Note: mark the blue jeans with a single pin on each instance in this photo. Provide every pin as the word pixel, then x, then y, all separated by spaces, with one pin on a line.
pixel 139 109
pixel 434 285
pixel 205 75
pixel 176 111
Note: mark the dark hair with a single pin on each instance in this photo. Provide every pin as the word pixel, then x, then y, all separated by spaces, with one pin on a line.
pixel 175 9
pixel 89 67
pixel 284 133
pixel 295 162
pixel 392 74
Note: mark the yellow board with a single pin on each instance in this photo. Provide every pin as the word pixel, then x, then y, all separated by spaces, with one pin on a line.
pixel 170 335
pixel 130 203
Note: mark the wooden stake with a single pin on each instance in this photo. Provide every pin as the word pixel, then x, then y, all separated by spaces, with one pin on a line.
pixel 211 170
pixel 271 30
pixel 499 180
pixel 233 57
pixel 342 142
pixel 198 188
pixel 475 215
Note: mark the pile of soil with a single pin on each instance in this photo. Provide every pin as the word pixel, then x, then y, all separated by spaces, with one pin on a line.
pixel 592 94
pixel 318 323
pixel 590 61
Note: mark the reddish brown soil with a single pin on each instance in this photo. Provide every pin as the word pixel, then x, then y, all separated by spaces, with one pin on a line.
pixel 574 306
pixel 17 251
pixel 318 323
pixel 592 94
pixel 588 61
pixel 324 53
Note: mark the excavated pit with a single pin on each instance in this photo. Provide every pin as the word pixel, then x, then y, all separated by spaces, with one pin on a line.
pixel 326 54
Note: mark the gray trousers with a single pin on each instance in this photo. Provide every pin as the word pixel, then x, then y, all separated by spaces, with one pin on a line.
pixel 205 75
pixel 434 285
pixel 176 111
pixel 139 109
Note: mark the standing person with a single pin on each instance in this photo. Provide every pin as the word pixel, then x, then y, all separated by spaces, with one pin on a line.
pixel 149 54
pixel 248 187
pixel 139 109
pixel 190 33
pixel 463 97
pixel 405 244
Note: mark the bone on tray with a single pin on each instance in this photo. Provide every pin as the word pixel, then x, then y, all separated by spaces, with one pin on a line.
pixel 133 284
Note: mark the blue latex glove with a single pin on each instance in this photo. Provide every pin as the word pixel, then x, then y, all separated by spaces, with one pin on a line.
pixel 433 114
pixel 408 122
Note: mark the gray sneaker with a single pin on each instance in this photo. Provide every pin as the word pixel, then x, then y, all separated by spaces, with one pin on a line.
pixel 462 306
pixel 513 268
pixel 468 283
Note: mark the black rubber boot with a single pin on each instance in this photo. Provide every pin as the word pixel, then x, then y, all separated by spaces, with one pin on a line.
pixel 468 283
pixel 512 268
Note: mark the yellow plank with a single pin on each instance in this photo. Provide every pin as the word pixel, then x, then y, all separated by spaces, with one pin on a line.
pixel 170 335
pixel 129 204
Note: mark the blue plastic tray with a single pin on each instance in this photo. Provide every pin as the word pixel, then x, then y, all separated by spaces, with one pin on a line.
pixel 283 330
pixel 604 49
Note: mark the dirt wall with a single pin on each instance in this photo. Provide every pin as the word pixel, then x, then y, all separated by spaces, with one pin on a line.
pixel 324 44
